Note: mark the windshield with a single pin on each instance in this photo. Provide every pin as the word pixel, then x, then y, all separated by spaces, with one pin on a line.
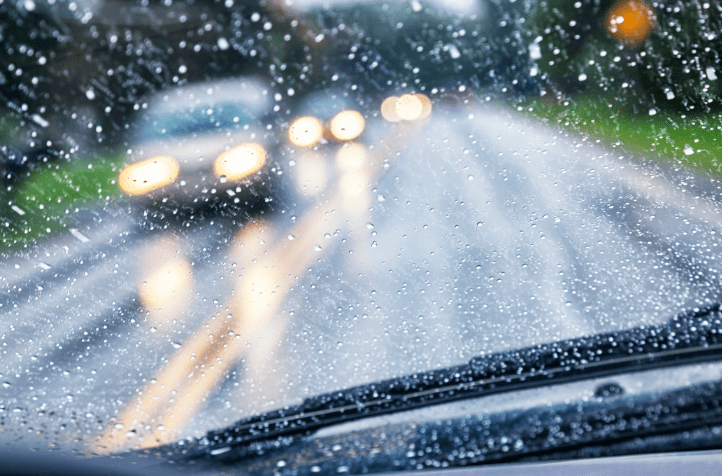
pixel 195 121
pixel 205 108
pixel 216 209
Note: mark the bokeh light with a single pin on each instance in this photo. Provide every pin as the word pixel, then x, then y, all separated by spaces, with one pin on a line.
pixel 305 131
pixel 347 125
pixel 148 175
pixel 409 107
pixel 165 290
pixel 388 109
pixel 162 290
pixel 425 106
pixel 631 22
pixel 240 162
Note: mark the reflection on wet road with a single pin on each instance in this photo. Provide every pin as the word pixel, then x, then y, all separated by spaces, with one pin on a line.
pixel 189 377
pixel 471 232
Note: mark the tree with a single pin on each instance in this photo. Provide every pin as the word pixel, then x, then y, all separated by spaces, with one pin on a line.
pixel 664 57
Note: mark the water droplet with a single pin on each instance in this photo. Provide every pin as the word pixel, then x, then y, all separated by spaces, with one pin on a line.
pixel 317 247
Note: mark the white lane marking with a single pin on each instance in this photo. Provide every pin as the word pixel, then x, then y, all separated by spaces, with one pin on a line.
pixel 78 235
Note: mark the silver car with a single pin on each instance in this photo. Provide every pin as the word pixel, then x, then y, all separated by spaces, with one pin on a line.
pixel 202 139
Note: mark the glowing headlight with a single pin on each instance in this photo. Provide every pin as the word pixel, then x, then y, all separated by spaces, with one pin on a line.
pixel 425 106
pixel 240 162
pixel 409 107
pixel 152 174
pixel 347 125
pixel 388 109
pixel 305 131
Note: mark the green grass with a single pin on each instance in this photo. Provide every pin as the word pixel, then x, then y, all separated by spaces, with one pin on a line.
pixel 665 137
pixel 49 195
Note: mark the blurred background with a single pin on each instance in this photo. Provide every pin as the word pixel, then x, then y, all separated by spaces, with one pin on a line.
pixel 76 76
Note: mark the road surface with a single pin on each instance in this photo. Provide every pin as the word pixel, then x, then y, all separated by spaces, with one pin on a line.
pixel 473 231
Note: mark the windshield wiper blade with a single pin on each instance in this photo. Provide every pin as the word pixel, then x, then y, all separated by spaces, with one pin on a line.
pixel 691 337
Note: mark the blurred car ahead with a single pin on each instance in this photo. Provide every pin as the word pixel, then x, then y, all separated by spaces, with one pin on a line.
pixel 202 139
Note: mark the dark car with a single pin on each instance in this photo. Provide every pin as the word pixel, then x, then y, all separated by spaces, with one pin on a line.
pixel 201 139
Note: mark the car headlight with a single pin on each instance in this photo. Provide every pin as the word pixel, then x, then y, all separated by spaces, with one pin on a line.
pixel 409 107
pixel 347 125
pixel 305 131
pixel 149 175
pixel 240 162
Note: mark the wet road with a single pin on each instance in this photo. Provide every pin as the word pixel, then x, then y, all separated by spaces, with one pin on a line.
pixel 471 232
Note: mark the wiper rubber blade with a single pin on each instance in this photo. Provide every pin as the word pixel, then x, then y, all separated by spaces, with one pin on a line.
pixel 691 337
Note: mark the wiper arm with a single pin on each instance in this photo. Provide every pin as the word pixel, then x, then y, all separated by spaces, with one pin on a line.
pixel 691 337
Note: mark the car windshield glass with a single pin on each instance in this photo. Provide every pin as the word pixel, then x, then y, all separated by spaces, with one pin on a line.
pixel 215 209
pixel 196 121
